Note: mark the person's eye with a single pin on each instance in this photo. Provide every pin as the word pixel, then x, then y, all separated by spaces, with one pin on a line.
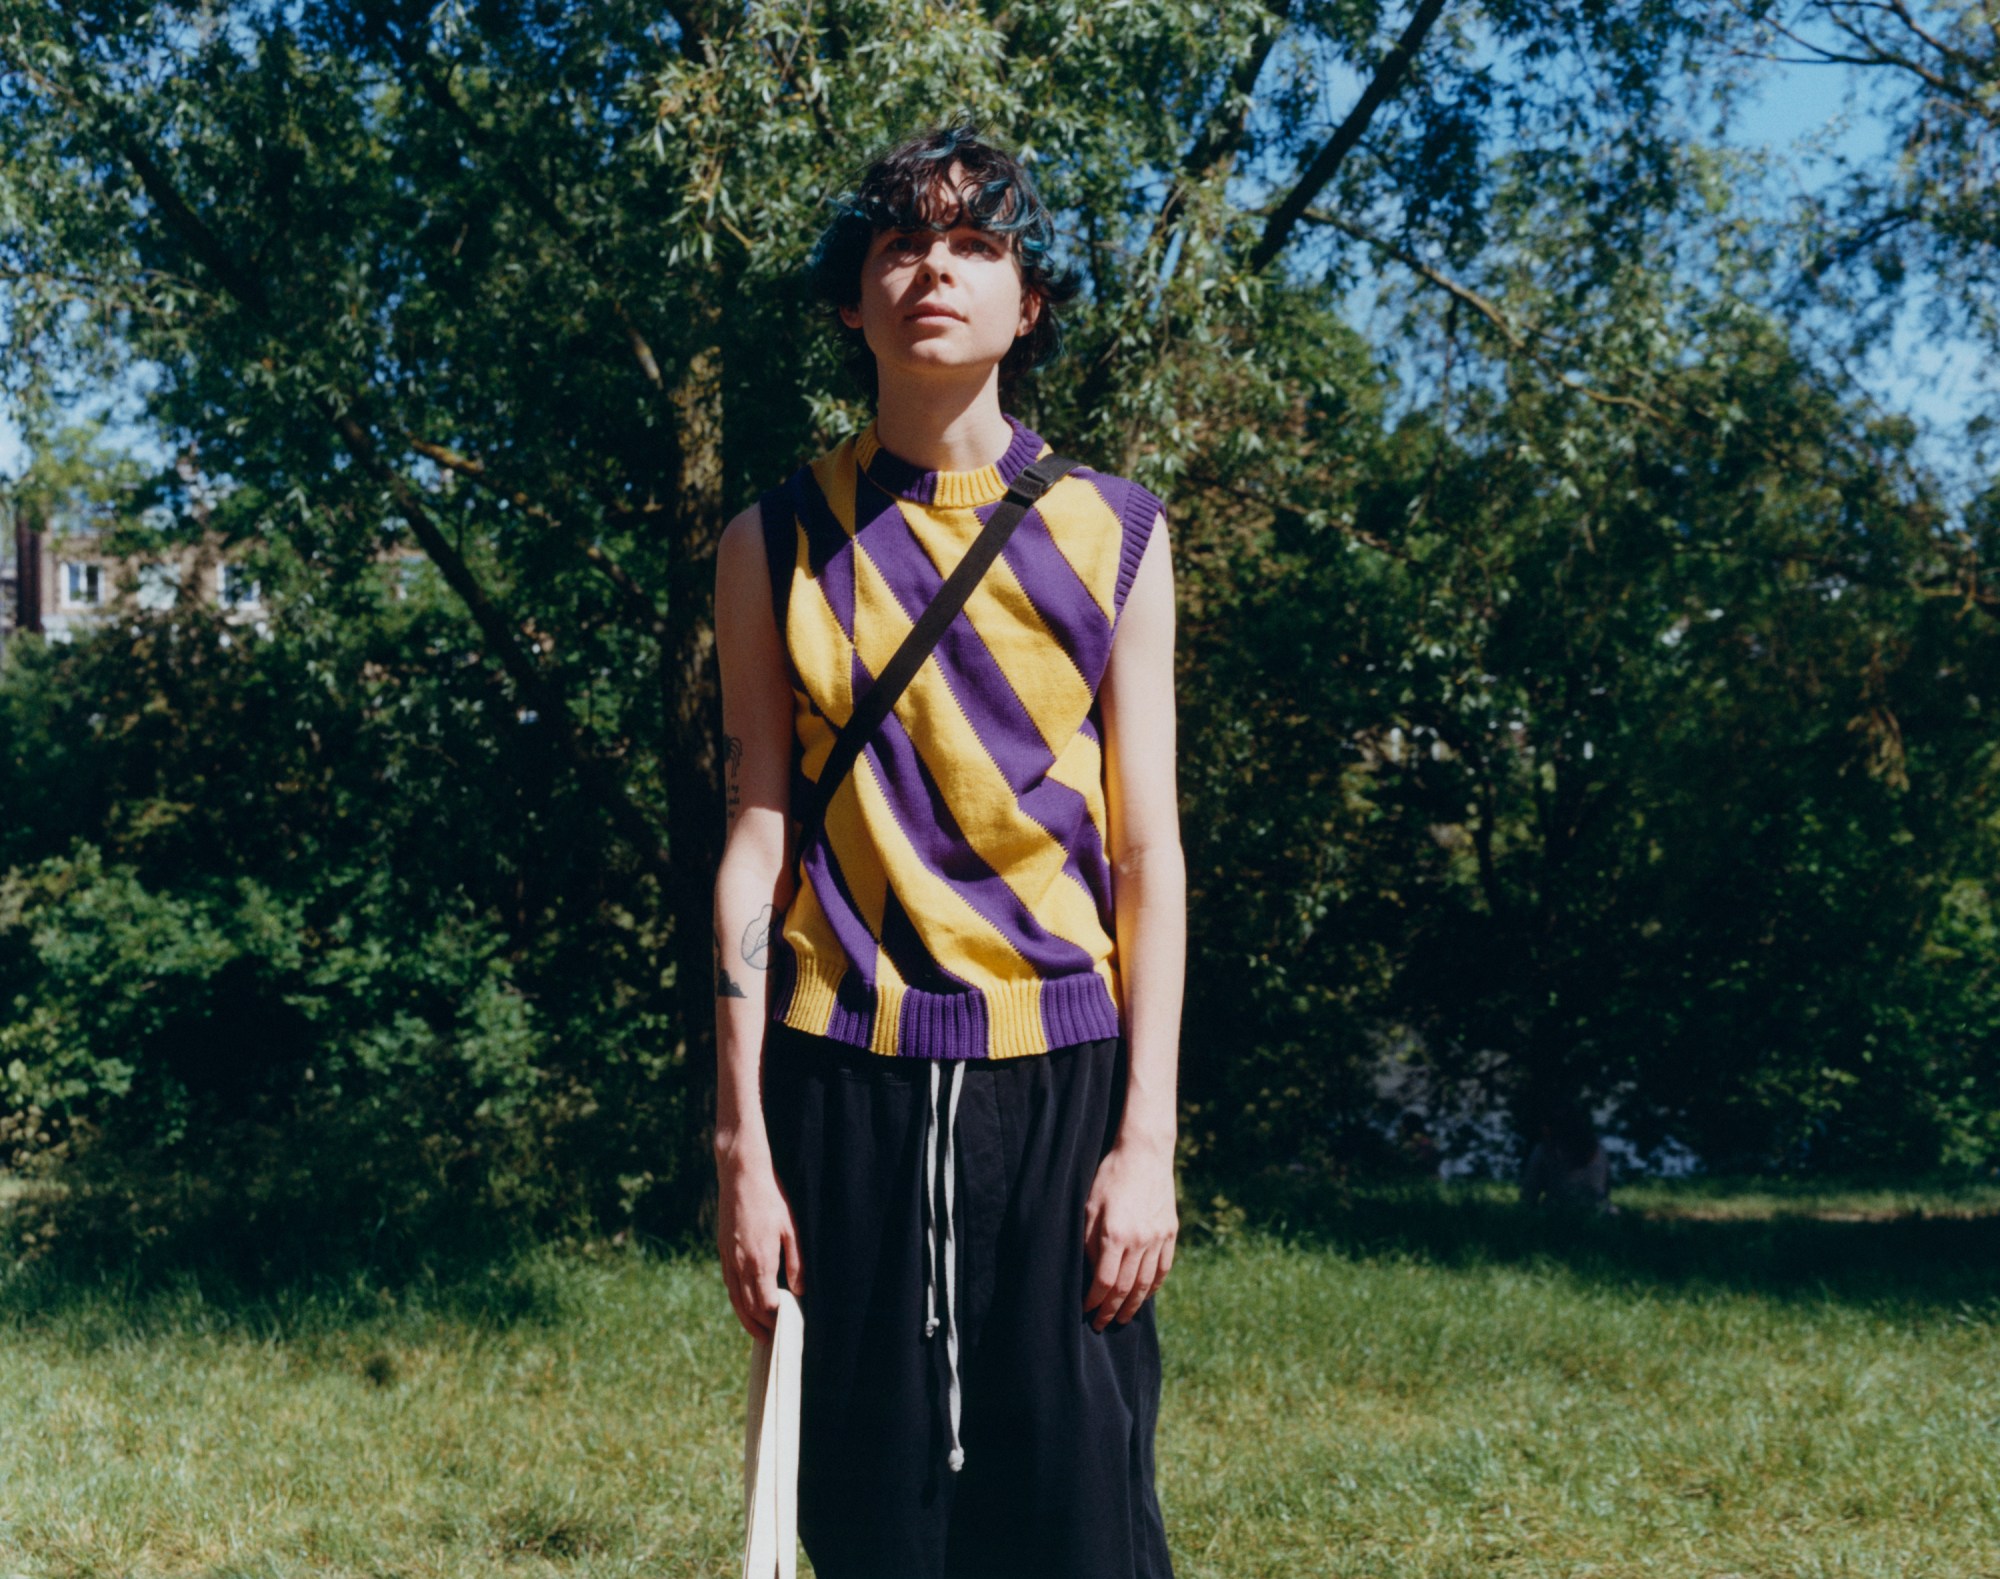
pixel 982 246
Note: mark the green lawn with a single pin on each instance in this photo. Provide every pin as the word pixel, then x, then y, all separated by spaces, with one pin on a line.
pixel 1412 1383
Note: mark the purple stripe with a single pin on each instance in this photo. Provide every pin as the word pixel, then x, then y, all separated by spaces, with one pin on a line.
pixel 1136 514
pixel 991 705
pixel 829 551
pixel 920 811
pixel 982 688
pixel 944 1025
pixel 1098 877
pixel 1077 1009
pixel 842 914
pixel 1060 597
pixel 853 1015
pixel 904 945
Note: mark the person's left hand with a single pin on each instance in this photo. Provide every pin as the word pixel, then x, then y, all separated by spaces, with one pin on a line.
pixel 1129 1226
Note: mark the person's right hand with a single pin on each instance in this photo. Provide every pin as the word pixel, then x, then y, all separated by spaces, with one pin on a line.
pixel 756 1235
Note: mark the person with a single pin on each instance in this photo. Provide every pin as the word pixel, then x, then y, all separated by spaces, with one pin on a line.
pixel 948 1027
pixel 1567 1168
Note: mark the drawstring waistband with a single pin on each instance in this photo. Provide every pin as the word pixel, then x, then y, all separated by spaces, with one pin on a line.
pixel 957 1458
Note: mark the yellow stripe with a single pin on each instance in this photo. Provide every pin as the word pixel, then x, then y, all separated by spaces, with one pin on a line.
pixel 811 936
pixel 1081 767
pixel 847 834
pixel 835 472
pixel 1087 534
pixel 1051 690
pixel 957 936
pixel 982 802
pixel 1014 1018
pixel 889 990
pixel 824 659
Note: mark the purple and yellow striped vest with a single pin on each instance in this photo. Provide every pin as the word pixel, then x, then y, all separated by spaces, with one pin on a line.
pixel 958 904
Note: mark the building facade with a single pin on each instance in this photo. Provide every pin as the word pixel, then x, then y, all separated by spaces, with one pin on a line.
pixel 57 582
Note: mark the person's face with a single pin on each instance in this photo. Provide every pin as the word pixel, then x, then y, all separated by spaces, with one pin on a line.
pixel 940 301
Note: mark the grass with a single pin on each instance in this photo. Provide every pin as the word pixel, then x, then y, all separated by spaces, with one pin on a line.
pixel 1411 1383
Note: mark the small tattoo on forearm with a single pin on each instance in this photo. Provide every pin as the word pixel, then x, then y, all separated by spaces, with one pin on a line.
pixel 757 939
pixel 732 759
pixel 724 987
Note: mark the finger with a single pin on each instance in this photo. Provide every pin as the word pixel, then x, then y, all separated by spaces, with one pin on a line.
pixel 1117 1286
pixel 1104 1277
pixel 742 1310
pixel 1143 1284
pixel 795 1271
pixel 746 1313
pixel 765 1290
pixel 1093 1226
pixel 758 1322
pixel 1130 1289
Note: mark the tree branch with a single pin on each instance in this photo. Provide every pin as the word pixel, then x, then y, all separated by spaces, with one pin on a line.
pixel 1245 496
pixel 501 636
pixel 1389 74
pixel 635 597
pixel 1215 148
pixel 504 641
pixel 417 63
pixel 1521 342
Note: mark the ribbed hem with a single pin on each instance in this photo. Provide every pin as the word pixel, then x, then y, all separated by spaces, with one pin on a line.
pixel 947 490
pixel 1005 1020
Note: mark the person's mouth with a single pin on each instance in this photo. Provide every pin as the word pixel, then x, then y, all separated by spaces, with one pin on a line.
pixel 934 311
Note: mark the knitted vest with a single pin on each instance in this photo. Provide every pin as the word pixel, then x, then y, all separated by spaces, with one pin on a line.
pixel 958 903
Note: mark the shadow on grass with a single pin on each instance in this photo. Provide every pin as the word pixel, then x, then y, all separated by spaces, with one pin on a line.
pixel 244 1283
pixel 1924 1263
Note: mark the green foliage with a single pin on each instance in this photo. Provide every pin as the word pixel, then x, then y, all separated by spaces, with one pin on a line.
pixel 316 942
pixel 1583 684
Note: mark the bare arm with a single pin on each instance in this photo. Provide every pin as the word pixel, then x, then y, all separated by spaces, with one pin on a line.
pixel 755 1231
pixel 1131 1220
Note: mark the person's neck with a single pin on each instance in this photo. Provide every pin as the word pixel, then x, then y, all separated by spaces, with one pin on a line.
pixel 938 428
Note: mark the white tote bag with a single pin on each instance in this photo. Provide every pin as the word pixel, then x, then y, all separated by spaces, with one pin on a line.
pixel 771 1449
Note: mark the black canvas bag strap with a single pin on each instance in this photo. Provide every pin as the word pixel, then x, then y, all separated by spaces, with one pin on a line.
pixel 901 669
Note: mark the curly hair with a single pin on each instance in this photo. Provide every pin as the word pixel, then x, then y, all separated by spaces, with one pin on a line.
pixel 911 188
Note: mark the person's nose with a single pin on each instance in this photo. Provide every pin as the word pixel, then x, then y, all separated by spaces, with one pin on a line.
pixel 933 264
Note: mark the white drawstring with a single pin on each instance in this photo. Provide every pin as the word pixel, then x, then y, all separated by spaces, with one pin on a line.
pixel 957 1458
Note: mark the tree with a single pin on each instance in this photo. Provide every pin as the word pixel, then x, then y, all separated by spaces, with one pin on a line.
pixel 515 285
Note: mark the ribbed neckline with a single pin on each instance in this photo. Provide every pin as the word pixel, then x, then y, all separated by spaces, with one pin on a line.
pixel 949 490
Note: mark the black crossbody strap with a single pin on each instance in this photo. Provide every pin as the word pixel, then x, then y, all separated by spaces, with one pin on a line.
pixel 931 625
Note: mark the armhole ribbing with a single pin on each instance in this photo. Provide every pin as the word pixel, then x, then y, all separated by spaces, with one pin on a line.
pixel 780 527
pixel 1136 517
pixel 777 513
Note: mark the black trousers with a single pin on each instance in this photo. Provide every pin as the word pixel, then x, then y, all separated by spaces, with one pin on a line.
pixel 1058 1420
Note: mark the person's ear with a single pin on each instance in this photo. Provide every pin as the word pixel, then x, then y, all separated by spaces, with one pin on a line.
pixel 851 316
pixel 1031 309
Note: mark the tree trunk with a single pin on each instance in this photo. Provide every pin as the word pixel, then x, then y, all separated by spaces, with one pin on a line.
pixel 694 713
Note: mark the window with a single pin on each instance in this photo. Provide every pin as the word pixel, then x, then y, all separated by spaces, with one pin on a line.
pixel 83 584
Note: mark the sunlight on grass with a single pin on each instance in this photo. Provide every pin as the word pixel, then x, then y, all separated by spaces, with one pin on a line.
pixel 1492 1405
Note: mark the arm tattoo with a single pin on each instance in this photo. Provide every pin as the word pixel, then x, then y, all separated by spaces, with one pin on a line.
pixel 732 759
pixel 724 987
pixel 757 939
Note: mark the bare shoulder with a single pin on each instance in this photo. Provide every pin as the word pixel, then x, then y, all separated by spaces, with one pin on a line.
pixel 742 539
